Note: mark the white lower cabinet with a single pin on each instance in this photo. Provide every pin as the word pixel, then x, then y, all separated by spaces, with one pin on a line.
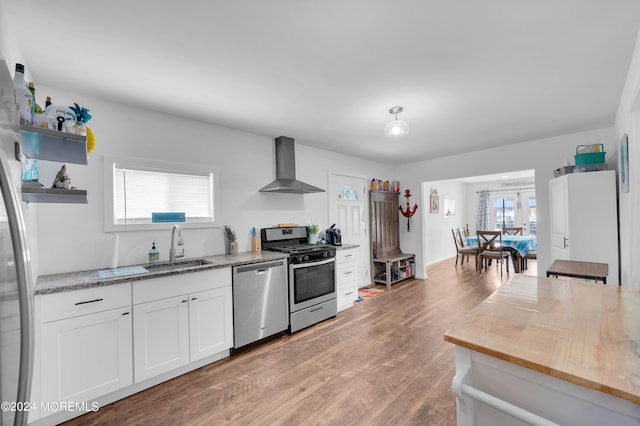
pixel 210 322
pixel 86 356
pixel 100 343
pixel 346 277
pixel 171 330
pixel 161 330
pixel 86 343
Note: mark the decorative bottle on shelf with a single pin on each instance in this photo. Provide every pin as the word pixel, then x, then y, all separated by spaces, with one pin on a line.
pixel 23 96
pixel 467 233
pixel 47 102
pixel 38 113
pixel 36 107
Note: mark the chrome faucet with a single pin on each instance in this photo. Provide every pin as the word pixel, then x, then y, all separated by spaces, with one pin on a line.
pixel 176 251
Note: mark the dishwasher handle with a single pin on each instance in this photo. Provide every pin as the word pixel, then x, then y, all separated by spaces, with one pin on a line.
pixel 259 267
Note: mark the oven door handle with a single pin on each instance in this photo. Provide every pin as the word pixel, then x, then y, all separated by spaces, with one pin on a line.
pixel 310 264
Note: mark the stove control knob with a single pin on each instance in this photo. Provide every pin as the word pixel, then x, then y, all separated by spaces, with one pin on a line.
pixel 299 259
pixel 325 254
pixel 305 258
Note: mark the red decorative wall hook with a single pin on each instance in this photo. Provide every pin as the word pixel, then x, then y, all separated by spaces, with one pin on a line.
pixel 409 212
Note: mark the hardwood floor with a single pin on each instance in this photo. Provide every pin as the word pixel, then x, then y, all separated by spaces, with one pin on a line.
pixel 382 362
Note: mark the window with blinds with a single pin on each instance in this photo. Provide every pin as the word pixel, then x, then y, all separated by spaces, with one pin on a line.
pixel 138 191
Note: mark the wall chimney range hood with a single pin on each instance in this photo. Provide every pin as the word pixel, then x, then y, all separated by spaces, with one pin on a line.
pixel 286 181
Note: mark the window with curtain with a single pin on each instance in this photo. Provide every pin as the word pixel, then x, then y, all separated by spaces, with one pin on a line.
pixel 138 190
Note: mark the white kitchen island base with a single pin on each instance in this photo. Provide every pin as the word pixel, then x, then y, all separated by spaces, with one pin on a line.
pixel 543 351
pixel 514 395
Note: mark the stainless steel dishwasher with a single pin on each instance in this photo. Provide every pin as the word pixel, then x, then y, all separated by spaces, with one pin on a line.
pixel 260 301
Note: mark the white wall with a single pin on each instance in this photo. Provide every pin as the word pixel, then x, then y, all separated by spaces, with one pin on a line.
pixel 542 155
pixel 628 121
pixel 438 241
pixel 71 236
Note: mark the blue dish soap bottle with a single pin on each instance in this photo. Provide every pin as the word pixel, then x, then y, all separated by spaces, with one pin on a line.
pixel 154 254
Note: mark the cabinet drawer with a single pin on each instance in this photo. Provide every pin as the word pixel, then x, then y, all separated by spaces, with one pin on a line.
pixel 175 285
pixel 345 256
pixel 346 274
pixel 81 302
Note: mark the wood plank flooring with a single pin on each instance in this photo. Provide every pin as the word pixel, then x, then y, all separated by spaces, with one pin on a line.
pixel 382 362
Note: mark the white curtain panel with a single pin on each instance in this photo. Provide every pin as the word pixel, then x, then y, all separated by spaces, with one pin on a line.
pixel 482 221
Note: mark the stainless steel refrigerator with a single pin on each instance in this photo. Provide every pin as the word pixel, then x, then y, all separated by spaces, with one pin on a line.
pixel 16 295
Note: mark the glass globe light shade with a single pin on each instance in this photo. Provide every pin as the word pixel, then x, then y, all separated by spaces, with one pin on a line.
pixel 396 128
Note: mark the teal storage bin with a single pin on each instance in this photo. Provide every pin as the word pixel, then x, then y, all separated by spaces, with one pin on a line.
pixel 587 158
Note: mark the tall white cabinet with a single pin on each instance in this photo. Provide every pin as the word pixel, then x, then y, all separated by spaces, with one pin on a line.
pixel 584 219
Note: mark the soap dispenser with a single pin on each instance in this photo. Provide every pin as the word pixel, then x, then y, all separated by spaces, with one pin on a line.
pixel 154 254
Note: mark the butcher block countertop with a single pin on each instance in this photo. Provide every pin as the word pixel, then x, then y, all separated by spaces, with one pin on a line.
pixel 584 333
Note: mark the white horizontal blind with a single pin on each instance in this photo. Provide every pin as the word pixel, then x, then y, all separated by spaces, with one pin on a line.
pixel 138 193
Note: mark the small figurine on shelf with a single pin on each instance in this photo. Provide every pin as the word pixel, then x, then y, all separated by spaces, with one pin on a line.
pixel 57 117
pixel 62 180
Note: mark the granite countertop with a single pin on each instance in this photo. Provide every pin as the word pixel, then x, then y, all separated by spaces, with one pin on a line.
pixel 585 333
pixel 346 246
pixel 56 283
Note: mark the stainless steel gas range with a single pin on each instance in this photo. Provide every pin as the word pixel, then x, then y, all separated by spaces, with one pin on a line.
pixel 312 278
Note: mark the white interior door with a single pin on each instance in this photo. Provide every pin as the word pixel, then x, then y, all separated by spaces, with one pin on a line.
pixel 559 209
pixel 347 209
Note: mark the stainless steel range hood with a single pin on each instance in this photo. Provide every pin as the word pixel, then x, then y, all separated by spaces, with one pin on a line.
pixel 286 181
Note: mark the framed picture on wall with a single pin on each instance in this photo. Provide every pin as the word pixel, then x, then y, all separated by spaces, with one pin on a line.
pixel 624 164
pixel 449 207
pixel 434 204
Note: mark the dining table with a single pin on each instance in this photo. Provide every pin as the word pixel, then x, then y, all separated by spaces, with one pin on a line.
pixel 518 245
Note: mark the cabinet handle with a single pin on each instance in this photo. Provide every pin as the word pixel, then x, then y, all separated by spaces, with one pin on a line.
pixel 316 309
pixel 566 240
pixel 194 298
pixel 89 301
pixel 125 313
pixel 185 300
pixel 348 256
pixel 349 293
pixel 348 272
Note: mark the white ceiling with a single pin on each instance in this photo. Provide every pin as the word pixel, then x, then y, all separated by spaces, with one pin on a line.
pixel 469 74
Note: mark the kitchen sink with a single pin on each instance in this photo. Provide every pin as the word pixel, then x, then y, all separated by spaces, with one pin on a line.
pixel 170 266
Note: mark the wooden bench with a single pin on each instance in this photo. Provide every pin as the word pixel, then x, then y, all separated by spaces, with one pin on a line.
pixel 394 268
pixel 574 269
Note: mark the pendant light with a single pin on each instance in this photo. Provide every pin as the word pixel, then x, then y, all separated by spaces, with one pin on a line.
pixel 396 128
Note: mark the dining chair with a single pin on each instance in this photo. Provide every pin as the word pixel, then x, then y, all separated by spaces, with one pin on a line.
pixel 462 237
pixel 533 255
pixel 490 247
pixel 461 250
pixel 513 230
